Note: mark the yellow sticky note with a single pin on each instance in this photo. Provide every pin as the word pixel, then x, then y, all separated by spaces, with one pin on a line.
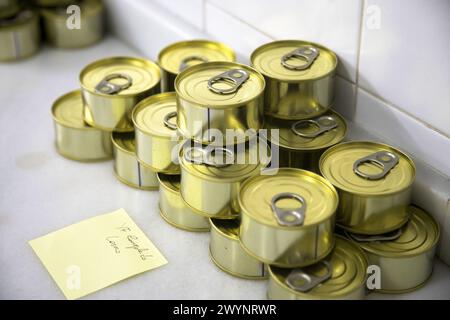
pixel 96 253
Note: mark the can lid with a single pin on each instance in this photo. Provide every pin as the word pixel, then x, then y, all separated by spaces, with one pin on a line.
pixel 67 110
pixel 418 235
pixel 290 198
pixel 294 60
pixel 170 181
pixel 339 274
pixel 228 227
pixel 180 55
pixel 312 134
pixel 157 115
pixel 219 84
pixel 120 76
pixel 368 168
pixel 124 141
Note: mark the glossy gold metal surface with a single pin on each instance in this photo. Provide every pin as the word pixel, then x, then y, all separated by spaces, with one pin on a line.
pixel 73 138
pixel 9 8
pixel 154 119
pixel 206 115
pixel 180 55
pixel 111 88
pixel 287 217
pixel 126 166
pixel 19 36
pixel 295 90
pixel 406 259
pixel 369 206
pixel 347 265
pixel 227 253
pixel 54 22
pixel 174 210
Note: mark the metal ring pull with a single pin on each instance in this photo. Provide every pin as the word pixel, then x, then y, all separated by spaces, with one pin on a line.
pixel 235 77
pixel 289 217
pixel 107 87
pixel 305 53
pixel 385 159
pixel 301 281
pixel 185 61
pixel 206 157
pixel 169 124
pixel 324 124
pixel 390 236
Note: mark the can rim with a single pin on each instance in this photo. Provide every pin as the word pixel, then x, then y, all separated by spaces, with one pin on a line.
pixel 146 165
pixel 119 147
pixel 206 215
pixel 178 226
pixel 49 12
pixel 272 43
pixel 233 237
pixel 164 184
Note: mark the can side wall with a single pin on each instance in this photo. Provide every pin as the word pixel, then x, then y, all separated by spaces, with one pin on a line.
pixel 131 172
pixel 20 42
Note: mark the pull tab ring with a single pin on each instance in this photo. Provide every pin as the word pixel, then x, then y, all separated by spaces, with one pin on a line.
pixel 390 236
pixel 305 53
pixel 289 217
pixel 169 124
pixel 235 77
pixel 107 87
pixel 185 61
pixel 301 281
pixel 324 124
pixel 205 156
pixel 385 159
pixel 211 160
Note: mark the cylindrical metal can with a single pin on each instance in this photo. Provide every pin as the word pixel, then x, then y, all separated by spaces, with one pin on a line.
pixel 9 8
pixel 173 209
pixel 19 36
pixel 157 137
pixel 88 32
pixel 341 275
pixel 127 168
pixel 180 55
pixel 302 142
pixel 299 77
pixel 287 217
pixel 111 88
pixel 226 252
pixel 374 182
pixel 212 176
pixel 216 99
pixel 75 139
pixel 404 256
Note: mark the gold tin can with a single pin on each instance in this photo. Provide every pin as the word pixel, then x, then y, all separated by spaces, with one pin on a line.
pixel 111 88
pixel 9 8
pixel 299 76
pixel 215 96
pixel 212 176
pixel 180 55
pixel 127 168
pixel 302 142
pixel 53 3
pixel 404 256
pixel 226 252
pixel 287 217
pixel 74 138
pixel 341 275
pixel 54 22
pixel 157 137
pixel 173 209
pixel 374 182
pixel 19 36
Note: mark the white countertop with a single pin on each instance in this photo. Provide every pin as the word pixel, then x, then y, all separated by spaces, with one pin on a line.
pixel 41 192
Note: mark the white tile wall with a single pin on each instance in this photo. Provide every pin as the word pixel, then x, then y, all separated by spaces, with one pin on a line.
pixel 188 10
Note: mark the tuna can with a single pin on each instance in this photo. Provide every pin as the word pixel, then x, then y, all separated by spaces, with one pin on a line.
pixel 226 252
pixel 180 55
pixel 287 217
pixel 157 137
pixel 215 96
pixel 19 36
pixel 111 88
pixel 374 182
pixel 299 76
pixel 173 209
pixel 405 256
pixel 341 275
pixel 9 8
pixel 75 139
pixel 302 142
pixel 127 168
pixel 58 34
pixel 212 176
